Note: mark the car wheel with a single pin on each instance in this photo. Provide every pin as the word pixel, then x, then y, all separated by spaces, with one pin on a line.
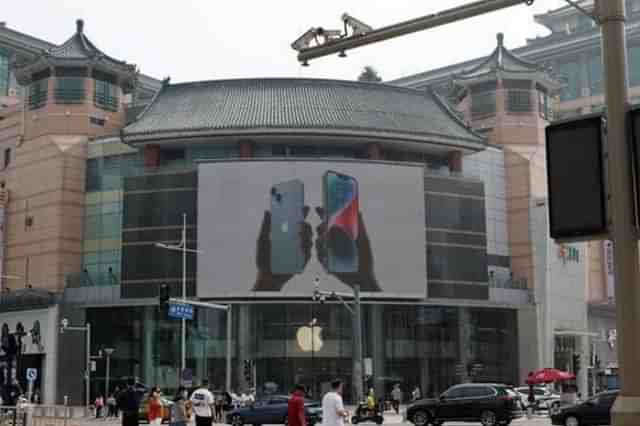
pixel 488 418
pixel 236 420
pixel 285 422
pixel 571 421
pixel 354 420
pixel 421 418
pixel 379 420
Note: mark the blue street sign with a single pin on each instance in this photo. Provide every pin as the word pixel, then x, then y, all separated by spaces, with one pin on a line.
pixel 180 311
pixel 32 374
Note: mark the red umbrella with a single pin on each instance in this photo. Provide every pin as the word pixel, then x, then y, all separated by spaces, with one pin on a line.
pixel 548 375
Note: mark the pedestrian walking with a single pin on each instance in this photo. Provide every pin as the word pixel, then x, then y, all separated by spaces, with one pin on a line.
pixel 154 414
pixel 396 397
pixel 203 401
pixel 333 412
pixel 99 404
pixel 295 409
pixel 116 410
pixel 219 406
pixel 128 401
pixel 111 406
pixel 181 409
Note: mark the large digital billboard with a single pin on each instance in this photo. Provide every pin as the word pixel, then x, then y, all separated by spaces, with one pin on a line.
pixel 271 228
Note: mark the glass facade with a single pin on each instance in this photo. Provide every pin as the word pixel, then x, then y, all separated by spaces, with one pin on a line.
pixel 432 347
pixel 4 73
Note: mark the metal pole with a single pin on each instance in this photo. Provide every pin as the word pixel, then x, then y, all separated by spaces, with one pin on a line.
pixel 313 354
pixel 183 336
pixel 357 352
pixel 407 27
pixel 626 410
pixel 229 335
pixel 106 384
pixel 88 375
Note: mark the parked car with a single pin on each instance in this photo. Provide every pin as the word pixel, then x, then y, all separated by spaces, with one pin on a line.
pixel 143 412
pixel 594 411
pixel 545 399
pixel 272 410
pixel 490 404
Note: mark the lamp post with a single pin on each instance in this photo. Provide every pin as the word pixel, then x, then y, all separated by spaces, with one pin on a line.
pixel 182 247
pixel 108 352
pixel 356 316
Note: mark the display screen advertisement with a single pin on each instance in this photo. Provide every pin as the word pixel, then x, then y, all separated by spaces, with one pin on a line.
pixel 270 228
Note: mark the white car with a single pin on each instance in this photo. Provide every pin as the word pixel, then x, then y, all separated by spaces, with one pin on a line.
pixel 545 399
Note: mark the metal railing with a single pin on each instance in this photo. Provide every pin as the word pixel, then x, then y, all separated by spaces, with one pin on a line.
pixel 510 283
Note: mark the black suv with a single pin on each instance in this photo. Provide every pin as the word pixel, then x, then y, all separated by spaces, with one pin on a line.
pixel 594 411
pixel 490 404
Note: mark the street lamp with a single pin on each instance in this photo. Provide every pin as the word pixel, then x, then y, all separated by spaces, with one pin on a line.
pixel 356 316
pixel 182 246
pixel 108 352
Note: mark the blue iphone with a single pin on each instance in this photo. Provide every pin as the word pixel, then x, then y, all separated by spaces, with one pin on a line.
pixel 287 217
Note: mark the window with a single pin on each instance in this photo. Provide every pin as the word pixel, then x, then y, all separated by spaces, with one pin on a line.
pixel 483 103
pixel 569 74
pixel 519 101
pixel 478 392
pixel 595 75
pixel 106 91
pixel 634 66
pixel 70 85
pixel 38 89
pixel 458 392
pixel 4 75
pixel 7 157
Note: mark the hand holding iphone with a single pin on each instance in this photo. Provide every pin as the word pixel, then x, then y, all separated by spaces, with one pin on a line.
pixel 287 217
pixel 341 207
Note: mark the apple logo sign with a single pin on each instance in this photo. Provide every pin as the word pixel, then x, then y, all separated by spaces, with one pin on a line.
pixel 309 338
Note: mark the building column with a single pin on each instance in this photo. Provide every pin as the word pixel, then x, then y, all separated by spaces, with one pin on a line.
pixel 464 342
pixel 148 349
pixel 246 149
pixel 374 152
pixel 151 154
pixel 582 378
pixel 377 349
pixel 455 162
pixel 244 335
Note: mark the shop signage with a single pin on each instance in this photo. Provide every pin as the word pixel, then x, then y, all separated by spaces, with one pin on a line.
pixel 568 253
pixel 607 248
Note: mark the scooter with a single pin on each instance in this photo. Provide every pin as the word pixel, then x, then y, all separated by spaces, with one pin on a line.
pixel 363 414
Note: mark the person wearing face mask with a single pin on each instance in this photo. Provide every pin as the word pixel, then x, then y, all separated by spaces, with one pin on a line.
pixel 181 408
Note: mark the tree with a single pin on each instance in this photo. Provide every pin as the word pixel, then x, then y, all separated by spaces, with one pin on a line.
pixel 370 74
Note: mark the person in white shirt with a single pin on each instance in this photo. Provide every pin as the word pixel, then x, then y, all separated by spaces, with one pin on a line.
pixel 203 401
pixel 333 412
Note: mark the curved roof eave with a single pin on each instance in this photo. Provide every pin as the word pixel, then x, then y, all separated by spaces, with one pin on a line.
pixel 371 135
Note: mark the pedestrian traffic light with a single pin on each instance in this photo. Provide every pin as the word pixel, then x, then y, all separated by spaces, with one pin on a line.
pixel 163 298
pixel 576 363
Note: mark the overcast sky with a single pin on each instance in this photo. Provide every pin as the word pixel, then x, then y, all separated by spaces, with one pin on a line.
pixel 213 39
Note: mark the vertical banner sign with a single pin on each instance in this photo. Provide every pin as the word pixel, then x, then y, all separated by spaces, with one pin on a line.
pixel 607 248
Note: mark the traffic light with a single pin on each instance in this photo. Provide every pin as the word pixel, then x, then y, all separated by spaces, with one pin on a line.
pixel 576 363
pixel 163 297
pixel 248 373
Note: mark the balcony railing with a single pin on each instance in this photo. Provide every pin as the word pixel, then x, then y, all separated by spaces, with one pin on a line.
pixel 510 283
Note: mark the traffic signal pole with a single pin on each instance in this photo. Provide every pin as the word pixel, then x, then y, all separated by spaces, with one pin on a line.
pixel 626 411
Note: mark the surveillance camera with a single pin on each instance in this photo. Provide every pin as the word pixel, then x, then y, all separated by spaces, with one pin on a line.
pixel 65 323
pixel 304 41
pixel 323 299
pixel 358 27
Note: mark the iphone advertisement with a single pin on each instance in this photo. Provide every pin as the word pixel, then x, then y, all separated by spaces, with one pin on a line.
pixel 271 228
